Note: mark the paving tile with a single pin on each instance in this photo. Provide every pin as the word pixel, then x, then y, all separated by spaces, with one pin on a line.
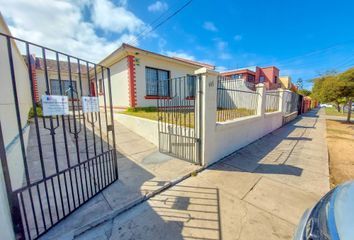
pixel 281 200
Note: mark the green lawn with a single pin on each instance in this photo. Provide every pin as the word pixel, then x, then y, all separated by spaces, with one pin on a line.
pixel 186 118
pixel 333 112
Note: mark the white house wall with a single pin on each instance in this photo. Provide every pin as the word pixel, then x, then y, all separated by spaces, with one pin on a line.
pixel 119 85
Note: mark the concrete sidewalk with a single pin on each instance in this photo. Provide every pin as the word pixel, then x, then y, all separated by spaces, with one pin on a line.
pixel 259 192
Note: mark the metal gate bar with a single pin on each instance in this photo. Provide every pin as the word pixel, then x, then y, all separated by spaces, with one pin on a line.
pixel 73 157
pixel 178 118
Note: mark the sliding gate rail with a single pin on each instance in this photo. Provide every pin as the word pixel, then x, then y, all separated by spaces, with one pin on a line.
pixel 66 159
pixel 178 108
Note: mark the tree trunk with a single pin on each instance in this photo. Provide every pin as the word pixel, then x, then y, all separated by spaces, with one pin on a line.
pixel 337 106
pixel 349 109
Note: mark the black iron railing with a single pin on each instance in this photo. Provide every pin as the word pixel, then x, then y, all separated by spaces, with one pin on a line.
pixel 235 98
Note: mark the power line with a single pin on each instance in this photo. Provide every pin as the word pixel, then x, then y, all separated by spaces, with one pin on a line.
pixel 321 51
pixel 147 31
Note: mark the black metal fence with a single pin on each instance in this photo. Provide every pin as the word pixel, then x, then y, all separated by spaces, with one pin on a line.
pixel 272 101
pixel 291 102
pixel 235 98
pixel 66 159
pixel 178 118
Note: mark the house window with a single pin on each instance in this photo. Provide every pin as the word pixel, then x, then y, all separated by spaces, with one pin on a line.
pixel 275 79
pixel 237 76
pixel 250 78
pixel 100 86
pixel 261 79
pixel 66 86
pixel 191 86
pixel 157 83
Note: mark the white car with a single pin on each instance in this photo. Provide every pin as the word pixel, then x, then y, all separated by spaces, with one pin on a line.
pixel 326 105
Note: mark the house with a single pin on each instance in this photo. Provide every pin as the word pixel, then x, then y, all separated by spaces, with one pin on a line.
pixel 135 73
pixel 286 83
pixel 69 77
pixel 267 75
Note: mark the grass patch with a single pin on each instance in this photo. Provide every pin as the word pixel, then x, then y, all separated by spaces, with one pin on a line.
pixel 333 112
pixel 185 118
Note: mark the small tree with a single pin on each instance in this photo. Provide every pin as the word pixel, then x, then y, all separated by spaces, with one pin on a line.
pixel 304 92
pixel 336 89
pixel 326 89
pixel 346 82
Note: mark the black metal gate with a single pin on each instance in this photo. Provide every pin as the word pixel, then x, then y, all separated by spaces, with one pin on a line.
pixel 178 107
pixel 66 159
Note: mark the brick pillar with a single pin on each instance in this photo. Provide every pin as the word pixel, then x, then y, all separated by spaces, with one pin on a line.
pixel 131 81
pixel 34 78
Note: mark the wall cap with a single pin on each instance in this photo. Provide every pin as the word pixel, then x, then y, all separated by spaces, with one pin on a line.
pixel 205 70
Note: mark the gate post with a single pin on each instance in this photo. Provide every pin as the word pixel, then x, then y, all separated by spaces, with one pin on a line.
pixel 207 112
pixel 261 90
pixel 281 100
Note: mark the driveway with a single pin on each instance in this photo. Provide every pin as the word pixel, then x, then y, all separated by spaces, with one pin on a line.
pixel 259 192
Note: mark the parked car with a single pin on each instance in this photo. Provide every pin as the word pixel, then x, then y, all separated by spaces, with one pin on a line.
pixel 332 218
pixel 326 105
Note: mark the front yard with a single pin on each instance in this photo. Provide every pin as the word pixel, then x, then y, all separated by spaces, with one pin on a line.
pixel 185 118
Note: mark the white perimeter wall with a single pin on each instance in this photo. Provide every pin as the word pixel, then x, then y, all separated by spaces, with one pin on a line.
pixel 233 135
pixel 9 123
pixel 146 128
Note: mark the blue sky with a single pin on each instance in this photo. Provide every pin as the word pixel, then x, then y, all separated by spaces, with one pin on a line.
pixel 303 38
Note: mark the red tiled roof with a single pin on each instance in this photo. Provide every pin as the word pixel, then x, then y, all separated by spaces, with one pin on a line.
pixel 125 45
pixel 64 66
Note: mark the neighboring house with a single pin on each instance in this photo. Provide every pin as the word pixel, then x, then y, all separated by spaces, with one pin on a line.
pixel 135 73
pixel 286 83
pixel 40 83
pixel 267 75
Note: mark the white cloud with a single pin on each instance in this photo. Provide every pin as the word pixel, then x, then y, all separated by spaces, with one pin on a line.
pixel 61 25
pixel 158 6
pixel 221 46
pixel 210 26
pixel 113 18
pixel 225 56
pixel 179 54
pixel 220 68
pixel 238 37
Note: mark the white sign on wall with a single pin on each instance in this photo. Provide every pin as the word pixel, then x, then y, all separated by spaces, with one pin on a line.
pixel 90 104
pixel 55 105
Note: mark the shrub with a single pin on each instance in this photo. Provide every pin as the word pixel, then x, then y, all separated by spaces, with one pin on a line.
pixel 39 111
pixel 142 109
